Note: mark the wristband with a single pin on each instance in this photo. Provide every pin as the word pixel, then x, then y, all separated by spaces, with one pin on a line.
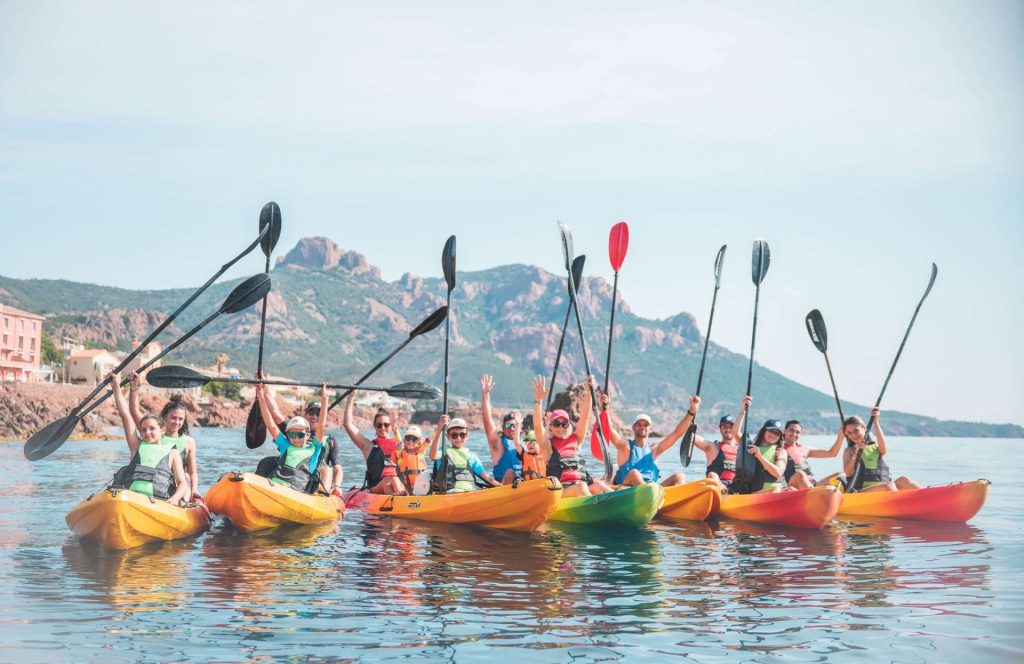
pixel 691 413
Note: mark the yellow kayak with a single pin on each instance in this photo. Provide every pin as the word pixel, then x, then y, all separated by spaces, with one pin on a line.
pixel 253 502
pixel 693 501
pixel 523 506
pixel 123 519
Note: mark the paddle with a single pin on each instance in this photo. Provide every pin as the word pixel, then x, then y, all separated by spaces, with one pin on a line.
pixel 854 483
pixel 177 377
pixel 686 447
pixel 819 337
pixel 577 273
pixel 52 436
pixel 448 267
pixel 270 217
pixel 618 243
pixel 567 254
pixel 745 463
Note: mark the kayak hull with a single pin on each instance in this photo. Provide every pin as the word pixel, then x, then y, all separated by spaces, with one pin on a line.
pixel 523 506
pixel 633 507
pixel 806 508
pixel 693 501
pixel 957 503
pixel 253 502
pixel 123 519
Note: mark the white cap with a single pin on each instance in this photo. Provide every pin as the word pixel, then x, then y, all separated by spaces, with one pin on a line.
pixel 414 431
pixel 458 423
pixel 297 423
pixel 642 417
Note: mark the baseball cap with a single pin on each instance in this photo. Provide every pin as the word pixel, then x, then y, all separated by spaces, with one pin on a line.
pixel 773 425
pixel 458 423
pixel 555 414
pixel 414 431
pixel 642 417
pixel 727 419
pixel 297 423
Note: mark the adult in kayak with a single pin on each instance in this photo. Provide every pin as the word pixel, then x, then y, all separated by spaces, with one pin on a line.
pixel 798 472
pixel 504 443
pixel 381 469
pixel 155 469
pixel 562 446
pixel 463 467
pixel 638 457
pixel 302 455
pixel 876 476
pixel 771 458
pixel 721 454
pixel 175 418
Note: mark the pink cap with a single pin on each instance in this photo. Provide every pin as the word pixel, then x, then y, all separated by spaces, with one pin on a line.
pixel 555 414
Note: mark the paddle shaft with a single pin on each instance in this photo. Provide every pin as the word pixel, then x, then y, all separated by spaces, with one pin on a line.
pixel 558 355
pixel 611 334
pixel 750 366
pixel 341 397
pixel 290 383
pixel 835 392
pixel 686 448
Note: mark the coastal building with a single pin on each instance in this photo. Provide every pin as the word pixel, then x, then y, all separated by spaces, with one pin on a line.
pixel 90 366
pixel 20 345
pixel 148 353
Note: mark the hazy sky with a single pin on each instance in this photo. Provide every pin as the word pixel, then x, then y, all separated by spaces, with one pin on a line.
pixel 863 140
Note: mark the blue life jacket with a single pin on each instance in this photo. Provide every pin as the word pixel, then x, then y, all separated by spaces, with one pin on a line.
pixel 640 459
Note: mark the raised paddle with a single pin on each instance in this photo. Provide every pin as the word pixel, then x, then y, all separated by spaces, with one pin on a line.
pixel 819 337
pixel 50 429
pixel 567 254
pixel 686 447
pixel 53 435
pixel 745 463
pixel 448 268
pixel 270 217
pixel 577 274
pixel 618 243
pixel 177 377
pixel 855 482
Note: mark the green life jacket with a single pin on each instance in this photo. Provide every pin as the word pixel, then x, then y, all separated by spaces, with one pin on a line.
pixel 876 471
pixel 293 467
pixel 149 472
pixel 460 475
pixel 179 444
pixel 768 481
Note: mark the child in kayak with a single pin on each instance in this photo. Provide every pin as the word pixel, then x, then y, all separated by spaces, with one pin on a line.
pixel 155 468
pixel 505 446
pixel 562 446
pixel 410 459
pixel 300 465
pixel 721 454
pixel 771 457
pixel 798 471
pixel 638 457
pixel 463 467
pixel 861 446
pixel 531 458
pixel 175 418
pixel 381 469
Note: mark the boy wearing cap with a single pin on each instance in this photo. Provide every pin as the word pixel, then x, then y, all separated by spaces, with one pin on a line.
pixel 721 454
pixel 638 457
pixel 301 453
pixel 506 449
pixel 463 465
pixel 531 459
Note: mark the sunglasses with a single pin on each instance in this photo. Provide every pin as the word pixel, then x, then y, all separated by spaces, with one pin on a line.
pixel 297 435
pixel 381 425
pixel 560 423
pixel 457 435
pixel 510 424
pixel 411 439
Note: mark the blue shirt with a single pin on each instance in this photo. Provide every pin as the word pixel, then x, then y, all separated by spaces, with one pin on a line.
pixel 283 444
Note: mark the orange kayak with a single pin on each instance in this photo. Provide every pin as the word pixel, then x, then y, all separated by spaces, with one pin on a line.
pixel 807 508
pixel 253 502
pixel 123 519
pixel 511 507
pixel 949 502
pixel 693 501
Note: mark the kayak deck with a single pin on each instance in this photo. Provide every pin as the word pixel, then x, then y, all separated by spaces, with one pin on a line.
pixel 123 519
pixel 693 501
pixel 949 502
pixel 523 506
pixel 253 502
pixel 806 508
pixel 632 507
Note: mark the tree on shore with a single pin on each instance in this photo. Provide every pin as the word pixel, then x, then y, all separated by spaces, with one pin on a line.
pixel 50 353
pixel 221 361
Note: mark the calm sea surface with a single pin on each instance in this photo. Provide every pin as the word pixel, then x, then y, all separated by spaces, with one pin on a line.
pixel 377 589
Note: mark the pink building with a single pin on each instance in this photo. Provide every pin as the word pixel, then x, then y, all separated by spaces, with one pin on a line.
pixel 20 345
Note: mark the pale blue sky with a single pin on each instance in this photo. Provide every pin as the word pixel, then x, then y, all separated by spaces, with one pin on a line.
pixel 862 140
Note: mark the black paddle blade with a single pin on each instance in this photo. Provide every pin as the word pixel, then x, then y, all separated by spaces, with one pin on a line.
pixel 566 244
pixel 577 270
pixel 686 446
pixel 931 282
pixel 46 441
pixel 175 377
pixel 246 294
pixel 718 266
pixel 816 330
pixel 270 215
pixel 414 391
pixel 430 322
pixel 448 263
pixel 761 257
pixel 255 428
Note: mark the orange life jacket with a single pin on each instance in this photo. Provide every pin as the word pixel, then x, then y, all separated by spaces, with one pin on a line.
pixel 410 465
pixel 534 466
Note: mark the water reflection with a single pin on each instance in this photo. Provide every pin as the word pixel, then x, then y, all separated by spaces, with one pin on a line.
pixel 153 577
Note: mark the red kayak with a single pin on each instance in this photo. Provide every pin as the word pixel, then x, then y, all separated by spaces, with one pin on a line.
pixel 806 508
pixel 949 502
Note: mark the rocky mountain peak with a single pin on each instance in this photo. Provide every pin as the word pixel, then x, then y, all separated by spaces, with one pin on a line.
pixel 321 254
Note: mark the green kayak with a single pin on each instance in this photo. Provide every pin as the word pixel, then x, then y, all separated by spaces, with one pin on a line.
pixel 625 508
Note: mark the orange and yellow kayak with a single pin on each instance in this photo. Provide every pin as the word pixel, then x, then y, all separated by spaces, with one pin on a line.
pixel 253 502
pixel 123 519
pixel 523 506
pixel 693 501
pixel 807 508
pixel 949 502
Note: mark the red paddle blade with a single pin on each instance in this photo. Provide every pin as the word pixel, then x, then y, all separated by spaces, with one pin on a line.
pixel 618 243
pixel 595 442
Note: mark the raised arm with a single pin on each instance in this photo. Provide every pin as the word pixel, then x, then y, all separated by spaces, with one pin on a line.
pixel 263 397
pixel 831 452
pixel 539 392
pixel 486 386
pixel 131 433
pixel 680 429
pixel 621 445
pixel 348 422
pixel 435 441
pixel 583 426
pixel 737 429
pixel 321 423
pixel 882 449
pixel 133 398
